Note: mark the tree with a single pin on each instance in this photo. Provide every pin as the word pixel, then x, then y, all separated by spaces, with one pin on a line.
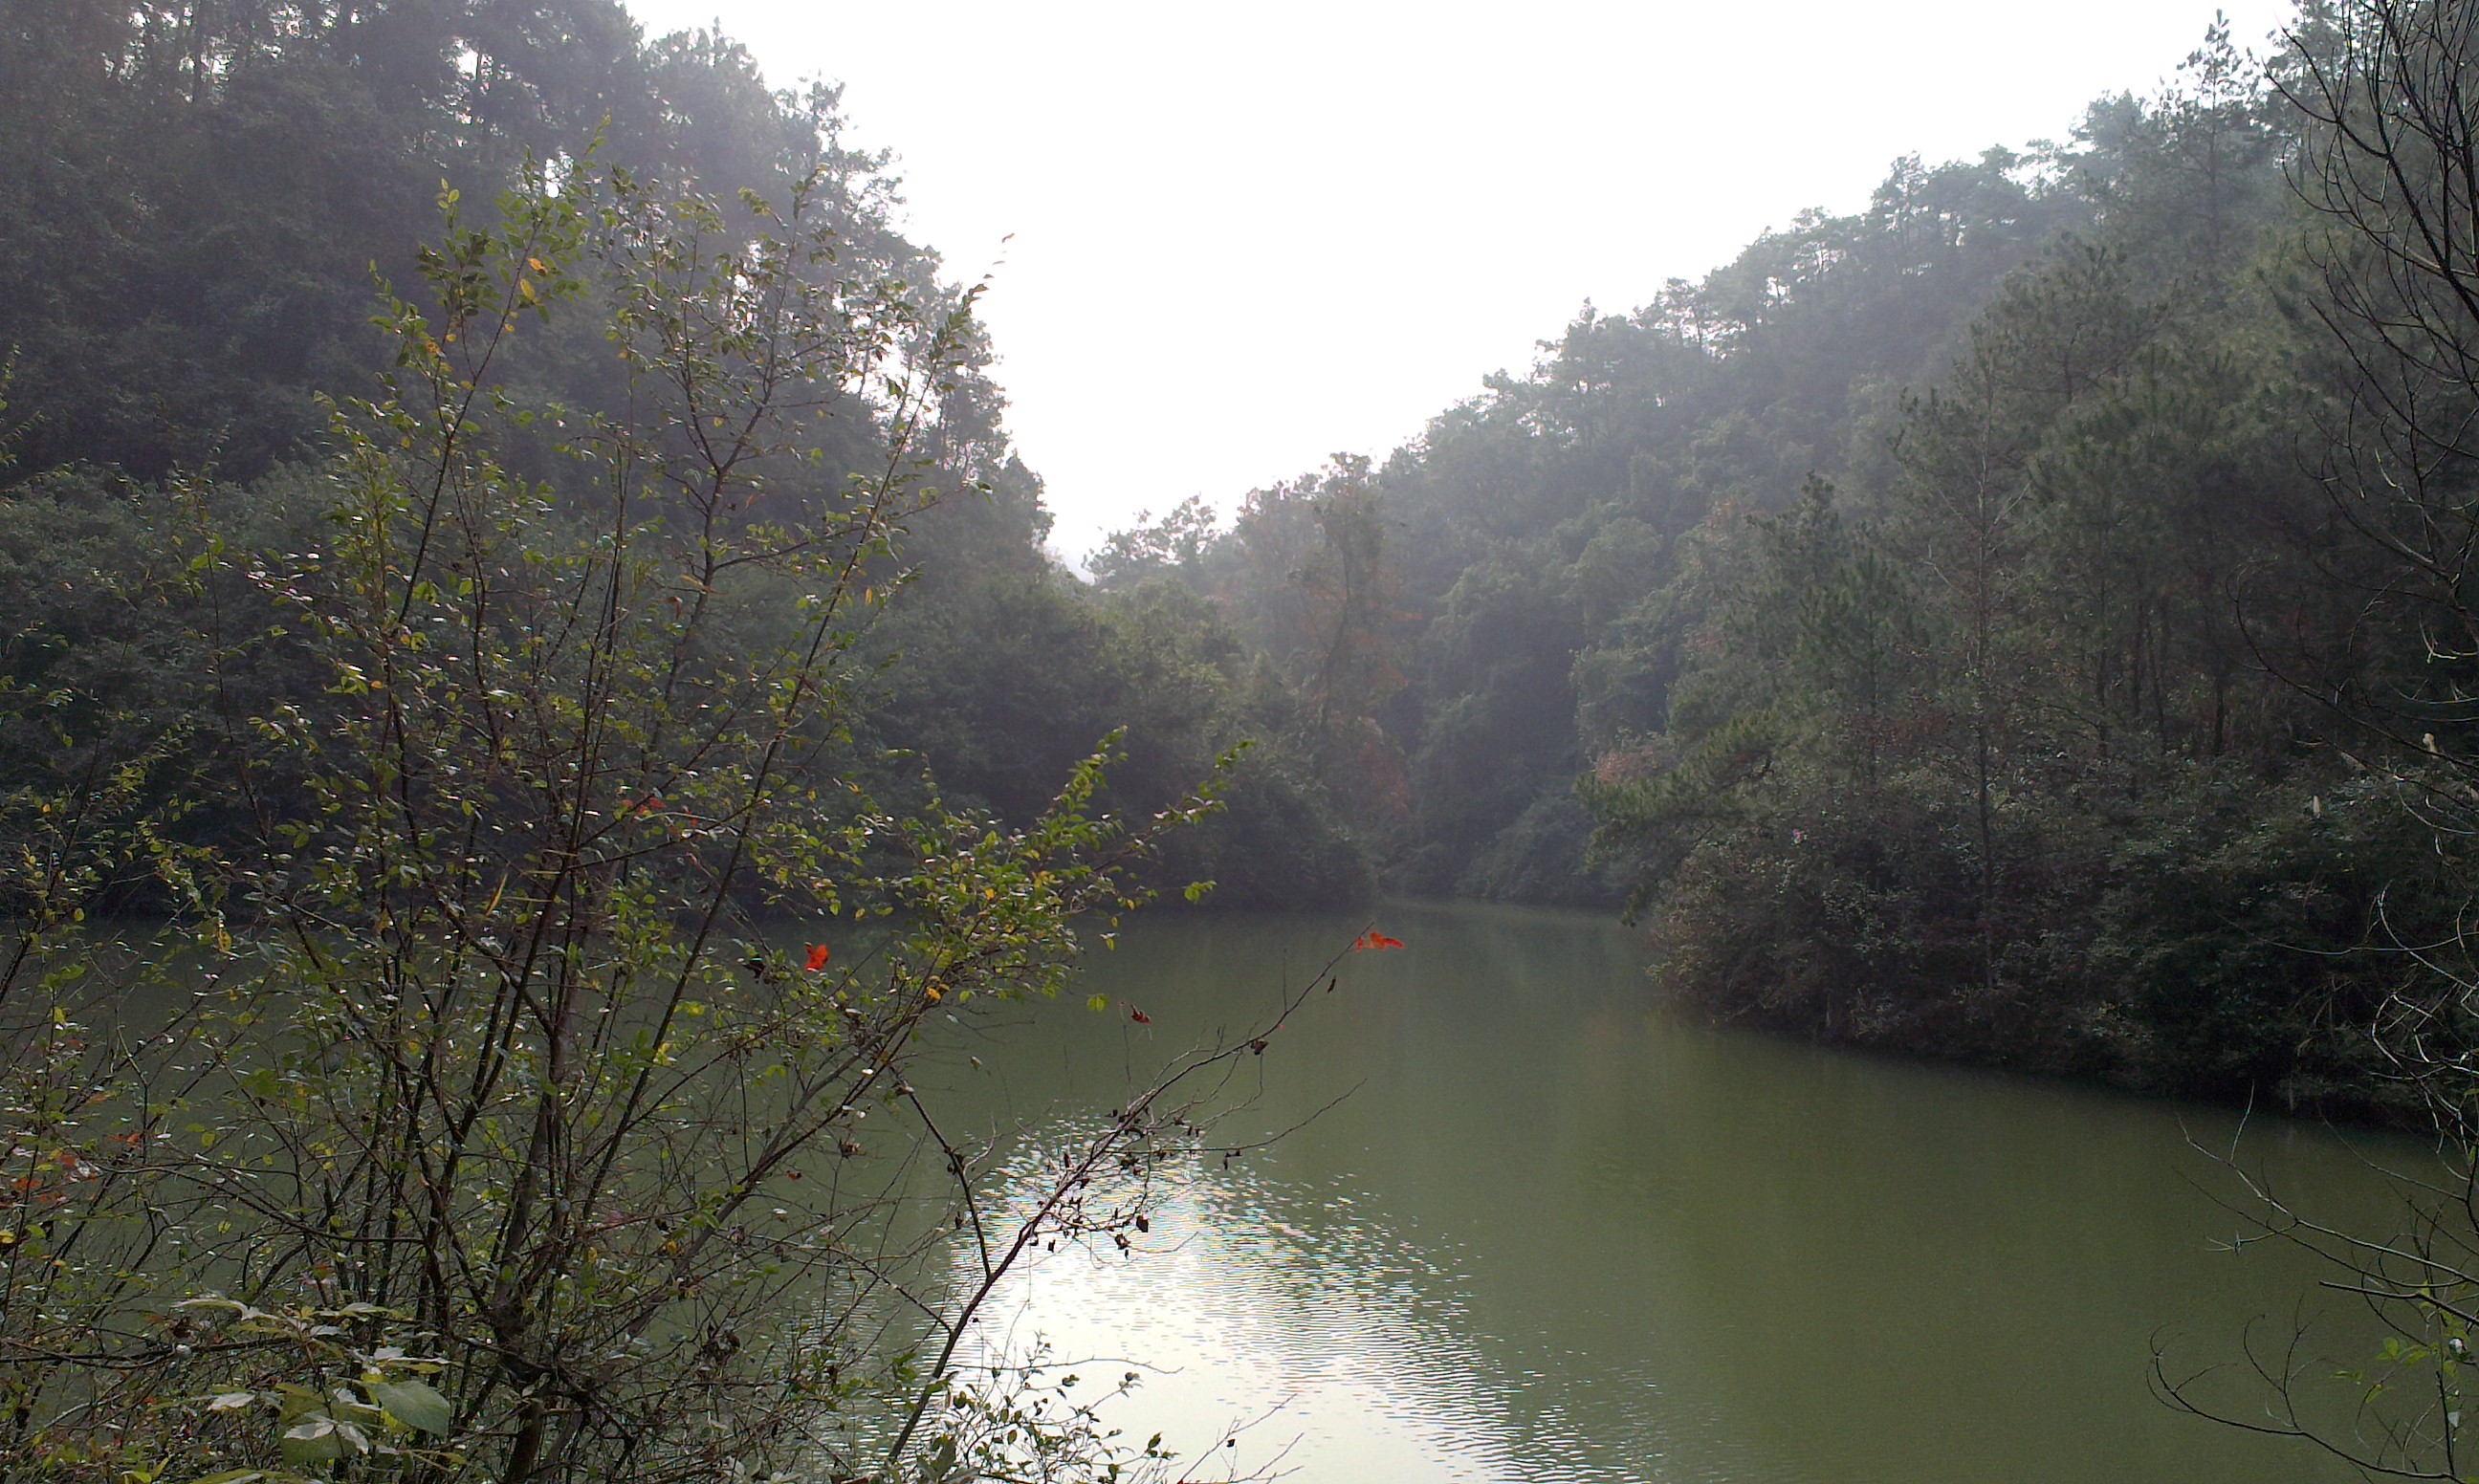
pixel 503 1142
pixel 2389 93
pixel 1171 547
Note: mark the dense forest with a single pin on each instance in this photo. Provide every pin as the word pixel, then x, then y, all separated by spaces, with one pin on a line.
pixel 1948 624
pixel 501 527
pixel 532 678
pixel 1989 624
pixel 205 202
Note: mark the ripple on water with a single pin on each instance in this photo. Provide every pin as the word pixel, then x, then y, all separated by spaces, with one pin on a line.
pixel 1277 1311
pixel 1553 1237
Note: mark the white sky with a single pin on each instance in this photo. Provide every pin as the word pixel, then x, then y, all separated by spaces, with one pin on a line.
pixel 1248 237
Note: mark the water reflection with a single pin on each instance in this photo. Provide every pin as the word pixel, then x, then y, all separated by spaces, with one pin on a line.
pixel 1554 1234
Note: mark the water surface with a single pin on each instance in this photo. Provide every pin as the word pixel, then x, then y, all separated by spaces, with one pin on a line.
pixel 1548 1230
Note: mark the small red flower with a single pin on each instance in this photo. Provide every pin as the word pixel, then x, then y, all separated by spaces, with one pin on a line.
pixel 1140 1016
pixel 1375 941
pixel 817 956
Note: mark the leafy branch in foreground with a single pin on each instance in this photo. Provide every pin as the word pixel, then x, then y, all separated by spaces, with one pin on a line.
pixel 513 1072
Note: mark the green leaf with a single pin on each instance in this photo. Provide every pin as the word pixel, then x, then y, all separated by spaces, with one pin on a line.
pixel 1098 1003
pixel 416 1405
pixel 314 1440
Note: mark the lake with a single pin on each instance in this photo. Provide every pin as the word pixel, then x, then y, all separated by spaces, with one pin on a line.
pixel 1534 1225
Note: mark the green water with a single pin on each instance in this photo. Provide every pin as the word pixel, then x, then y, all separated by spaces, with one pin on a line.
pixel 1551 1232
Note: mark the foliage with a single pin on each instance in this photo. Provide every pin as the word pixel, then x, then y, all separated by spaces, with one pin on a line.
pixel 201 216
pixel 2385 89
pixel 503 1144
pixel 1990 747
pixel 1942 606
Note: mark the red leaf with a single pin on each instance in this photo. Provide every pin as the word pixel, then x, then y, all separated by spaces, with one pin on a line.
pixel 817 956
pixel 1140 1016
pixel 1373 940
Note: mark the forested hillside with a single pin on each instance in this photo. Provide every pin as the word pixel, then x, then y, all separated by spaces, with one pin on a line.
pixel 546 774
pixel 204 203
pixel 1951 623
pixel 532 698
pixel 1947 620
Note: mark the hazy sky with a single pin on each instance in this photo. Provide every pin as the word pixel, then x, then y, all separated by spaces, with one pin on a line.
pixel 1248 237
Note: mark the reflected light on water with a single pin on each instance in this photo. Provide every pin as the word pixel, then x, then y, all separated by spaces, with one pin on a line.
pixel 1340 1345
pixel 1554 1233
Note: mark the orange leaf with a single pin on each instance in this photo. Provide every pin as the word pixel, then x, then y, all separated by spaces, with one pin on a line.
pixel 817 956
